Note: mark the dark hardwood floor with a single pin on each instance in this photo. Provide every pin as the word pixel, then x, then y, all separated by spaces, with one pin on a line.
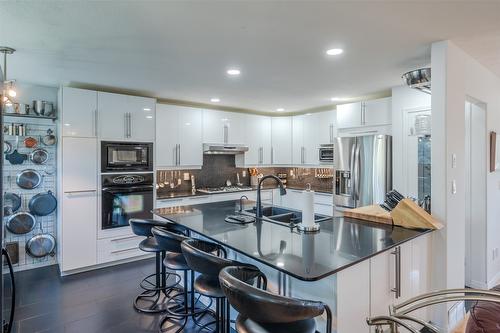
pixel 96 301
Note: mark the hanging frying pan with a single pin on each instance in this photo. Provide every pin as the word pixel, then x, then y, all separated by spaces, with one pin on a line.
pixel 39 156
pixel 30 142
pixel 28 179
pixel 11 203
pixel 43 204
pixel 40 244
pixel 15 157
pixel 21 223
pixel 49 139
pixel 7 147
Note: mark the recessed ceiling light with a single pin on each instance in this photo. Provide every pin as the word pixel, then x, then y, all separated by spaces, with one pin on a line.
pixel 334 52
pixel 337 99
pixel 149 117
pixel 308 114
pixel 147 109
pixel 233 71
pixel 280 109
pixel 215 100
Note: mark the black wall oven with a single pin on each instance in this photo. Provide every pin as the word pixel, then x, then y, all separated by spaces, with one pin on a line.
pixel 124 197
pixel 126 156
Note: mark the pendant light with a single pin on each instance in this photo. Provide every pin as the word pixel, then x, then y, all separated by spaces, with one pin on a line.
pixel 9 90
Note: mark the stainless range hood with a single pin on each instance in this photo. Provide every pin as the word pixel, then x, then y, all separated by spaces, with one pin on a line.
pixel 224 148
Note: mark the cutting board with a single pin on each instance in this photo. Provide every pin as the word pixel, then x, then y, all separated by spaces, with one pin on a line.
pixel 407 214
pixel 373 213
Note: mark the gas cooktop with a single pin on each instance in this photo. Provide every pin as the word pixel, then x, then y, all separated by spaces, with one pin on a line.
pixel 224 189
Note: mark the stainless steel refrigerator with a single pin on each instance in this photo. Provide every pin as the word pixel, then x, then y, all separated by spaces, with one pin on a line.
pixel 363 170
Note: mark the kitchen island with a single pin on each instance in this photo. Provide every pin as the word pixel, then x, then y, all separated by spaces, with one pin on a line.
pixel 346 264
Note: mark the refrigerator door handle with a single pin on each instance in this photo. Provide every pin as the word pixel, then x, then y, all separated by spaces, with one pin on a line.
pixel 352 175
pixel 13 301
pixel 356 172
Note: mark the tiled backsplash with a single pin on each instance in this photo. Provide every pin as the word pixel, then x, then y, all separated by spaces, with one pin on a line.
pixel 217 169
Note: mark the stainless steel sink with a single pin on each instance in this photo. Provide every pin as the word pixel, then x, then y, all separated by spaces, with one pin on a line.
pixel 284 215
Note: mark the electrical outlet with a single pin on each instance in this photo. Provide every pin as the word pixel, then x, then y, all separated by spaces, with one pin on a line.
pixel 453 186
pixel 186 176
pixel 495 253
pixel 453 161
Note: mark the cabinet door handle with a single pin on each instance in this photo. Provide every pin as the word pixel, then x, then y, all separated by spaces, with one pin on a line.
pixel 83 191
pixel 397 258
pixel 331 133
pixel 260 155
pixel 272 155
pixel 123 238
pixel 125 125
pixel 129 125
pixel 95 122
pixel 125 250
pixel 179 159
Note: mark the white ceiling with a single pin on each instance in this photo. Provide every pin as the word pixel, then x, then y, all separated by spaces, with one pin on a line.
pixel 180 50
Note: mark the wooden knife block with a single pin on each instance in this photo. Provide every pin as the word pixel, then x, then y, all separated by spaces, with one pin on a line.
pixel 407 214
pixel 410 215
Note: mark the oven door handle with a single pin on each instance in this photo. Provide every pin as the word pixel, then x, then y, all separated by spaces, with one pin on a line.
pixel 127 189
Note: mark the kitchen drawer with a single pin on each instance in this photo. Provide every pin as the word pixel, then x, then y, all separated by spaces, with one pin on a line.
pixel 196 200
pixel 118 248
pixel 323 198
pixel 323 209
pixel 164 203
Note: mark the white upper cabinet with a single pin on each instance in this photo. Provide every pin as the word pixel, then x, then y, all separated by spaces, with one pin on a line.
pixel 377 112
pixel 178 136
pixel 223 127
pixel 305 138
pixel 370 113
pixel 190 136
pixel 297 140
pixel 167 133
pixel 281 151
pixel 123 117
pixel 113 117
pixel 349 115
pixel 258 139
pixel 79 112
pixel 326 126
pixel 142 118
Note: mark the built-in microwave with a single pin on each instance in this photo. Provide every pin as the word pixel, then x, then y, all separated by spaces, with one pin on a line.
pixel 126 156
pixel 326 153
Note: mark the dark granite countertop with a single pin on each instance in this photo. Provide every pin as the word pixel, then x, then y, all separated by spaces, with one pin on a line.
pixel 184 194
pixel 341 242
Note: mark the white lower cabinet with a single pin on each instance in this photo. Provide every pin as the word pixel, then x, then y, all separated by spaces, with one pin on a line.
pixel 266 197
pixel 78 230
pixel 368 289
pixel 118 248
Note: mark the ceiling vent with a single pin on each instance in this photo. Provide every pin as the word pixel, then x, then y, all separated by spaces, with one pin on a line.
pixel 419 79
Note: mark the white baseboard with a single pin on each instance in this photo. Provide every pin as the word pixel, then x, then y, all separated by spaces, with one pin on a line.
pixel 108 264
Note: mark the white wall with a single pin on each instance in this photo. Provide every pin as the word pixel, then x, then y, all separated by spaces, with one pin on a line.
pixel 456 76
pixel 403 98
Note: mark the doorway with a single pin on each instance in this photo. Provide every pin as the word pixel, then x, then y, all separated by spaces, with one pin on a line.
pixel 476 155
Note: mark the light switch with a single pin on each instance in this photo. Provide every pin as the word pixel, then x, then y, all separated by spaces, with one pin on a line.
pixel 453 161
pixel 453 186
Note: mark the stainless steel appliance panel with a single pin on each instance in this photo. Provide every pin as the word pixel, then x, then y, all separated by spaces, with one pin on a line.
pixel 363 170
pixel 344 152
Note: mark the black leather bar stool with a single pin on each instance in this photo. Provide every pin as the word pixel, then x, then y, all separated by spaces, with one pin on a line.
pixel 151 299
pixel 263 312
pixel 169 238
pixel 208 259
